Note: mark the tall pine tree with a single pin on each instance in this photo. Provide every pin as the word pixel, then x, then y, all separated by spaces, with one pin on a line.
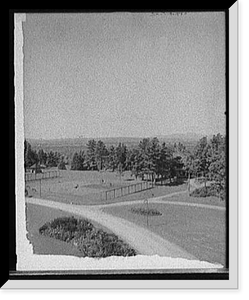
pixel 91 155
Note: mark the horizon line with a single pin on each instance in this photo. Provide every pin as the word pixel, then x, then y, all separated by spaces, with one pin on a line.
pixel 128 137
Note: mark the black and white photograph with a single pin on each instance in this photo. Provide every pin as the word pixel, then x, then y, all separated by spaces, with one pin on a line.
pixel 123 136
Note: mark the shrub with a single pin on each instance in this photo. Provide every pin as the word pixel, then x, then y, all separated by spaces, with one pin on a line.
pixel 90 241
pixel 145 211
pixel 201 192
pixel 208 191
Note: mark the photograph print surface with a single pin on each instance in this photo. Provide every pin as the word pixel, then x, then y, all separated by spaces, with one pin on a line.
pixel 124 144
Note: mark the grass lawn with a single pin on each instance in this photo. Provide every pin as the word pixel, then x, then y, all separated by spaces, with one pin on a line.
pixel 200 231
pixel 37 216
pixel 85 187
pixel 79 187
pixel 214 201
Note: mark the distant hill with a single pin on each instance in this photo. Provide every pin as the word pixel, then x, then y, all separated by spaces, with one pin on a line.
pixel 68 146
pixel 182 137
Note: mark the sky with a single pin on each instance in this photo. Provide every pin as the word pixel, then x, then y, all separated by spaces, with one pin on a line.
pixel 123 74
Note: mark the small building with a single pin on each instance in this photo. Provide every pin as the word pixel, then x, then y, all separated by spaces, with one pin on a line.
pixel 36 168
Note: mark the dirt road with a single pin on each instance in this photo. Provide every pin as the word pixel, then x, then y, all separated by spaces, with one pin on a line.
pixel 141 239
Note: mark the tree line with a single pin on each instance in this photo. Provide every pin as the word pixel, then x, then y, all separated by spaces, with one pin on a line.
pixel 40 157
pixel 209 159
pixel 148 159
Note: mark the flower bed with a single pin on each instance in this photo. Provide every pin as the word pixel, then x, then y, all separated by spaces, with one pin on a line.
pixel 146 212
pixel 90 241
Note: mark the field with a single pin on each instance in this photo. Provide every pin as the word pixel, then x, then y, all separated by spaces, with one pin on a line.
pixel 89 187
pixel 198 230
pixel 79 187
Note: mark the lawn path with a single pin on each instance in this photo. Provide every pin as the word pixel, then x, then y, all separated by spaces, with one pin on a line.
pixel 161 200
pixel 141 239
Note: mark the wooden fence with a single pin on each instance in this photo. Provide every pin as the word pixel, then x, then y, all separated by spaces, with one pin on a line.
pixel 127 190
pixel 44 175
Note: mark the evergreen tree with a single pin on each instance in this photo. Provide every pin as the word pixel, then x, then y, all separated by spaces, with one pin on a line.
pixel 62 164
pixel 201 154
pixel 42 157
pixel 136 162
pixel 121 152
pixel 154 157
pixel 164 161
pixel 189 164
pixel 144 162
pixel 217 162
pixel 91 155
pixel 30 156
pixel 209 158
pixel 112 161
pixel 78 161
pixel 101 154
pixel 51 159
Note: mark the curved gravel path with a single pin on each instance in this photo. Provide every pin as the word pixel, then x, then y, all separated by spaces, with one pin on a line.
pixel 161 200
pixel 141 239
